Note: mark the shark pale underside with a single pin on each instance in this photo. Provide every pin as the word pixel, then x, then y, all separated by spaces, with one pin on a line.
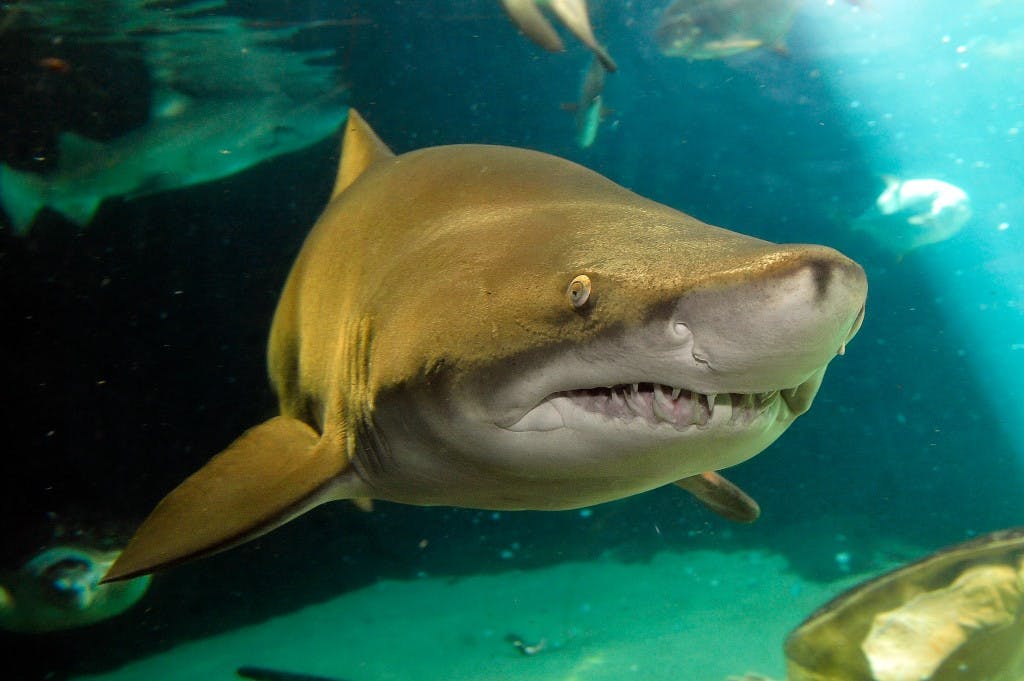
pixel 497 328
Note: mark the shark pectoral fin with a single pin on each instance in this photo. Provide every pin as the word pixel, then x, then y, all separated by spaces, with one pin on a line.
pixel 272 473
pixel 528 17
pixel 360 149
pixel 722 497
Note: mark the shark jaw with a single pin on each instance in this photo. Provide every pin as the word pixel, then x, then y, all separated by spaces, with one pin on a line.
pixel 651 406
pixel 580 446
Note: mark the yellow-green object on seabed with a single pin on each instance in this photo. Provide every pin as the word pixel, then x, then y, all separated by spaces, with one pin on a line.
pixel 59 589
pixel 956 614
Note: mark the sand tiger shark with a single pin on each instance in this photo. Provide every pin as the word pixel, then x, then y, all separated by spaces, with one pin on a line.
pixel 226 95
pixel 199 142
pixel 498 328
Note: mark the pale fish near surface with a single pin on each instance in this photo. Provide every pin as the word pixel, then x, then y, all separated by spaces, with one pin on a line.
pixel 909 214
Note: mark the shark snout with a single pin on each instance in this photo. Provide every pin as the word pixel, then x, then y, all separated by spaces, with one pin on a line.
pixel 775 321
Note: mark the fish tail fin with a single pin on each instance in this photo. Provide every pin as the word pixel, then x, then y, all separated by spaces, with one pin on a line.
pixel 272 473
pixel 22 195
pixel 78 209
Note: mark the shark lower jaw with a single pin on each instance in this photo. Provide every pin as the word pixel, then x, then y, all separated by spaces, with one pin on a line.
pixel 665 408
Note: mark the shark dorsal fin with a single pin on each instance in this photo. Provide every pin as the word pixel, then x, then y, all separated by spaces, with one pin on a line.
pixel 360 149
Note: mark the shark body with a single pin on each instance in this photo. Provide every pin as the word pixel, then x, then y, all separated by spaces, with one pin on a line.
pixel 227 95
pixel 189 142
pixel 699 29
pixel 498 328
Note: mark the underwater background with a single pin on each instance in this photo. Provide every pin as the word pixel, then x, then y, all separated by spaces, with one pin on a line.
pixel 134 346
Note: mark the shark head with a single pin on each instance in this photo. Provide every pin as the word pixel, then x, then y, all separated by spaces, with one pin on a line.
pixel 699 380
pixel 499 328
pixel 593 344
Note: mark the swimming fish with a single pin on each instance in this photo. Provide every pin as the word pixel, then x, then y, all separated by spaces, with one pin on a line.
pixel 912 213
pixel 59 588
pixel 955 614
pixel 202 140
pixel 573 14
pixel 225 96
pixel 589 108
pixel 499 328
pixel 715 29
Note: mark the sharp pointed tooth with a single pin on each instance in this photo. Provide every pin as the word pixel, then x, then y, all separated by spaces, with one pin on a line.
pixel 675 393
pixel 664 407
pixel 842 348
pixel 730 407
pixel 701 410
pixel 637 404
pixel 763 400
pixel 711 397
pixel 636 388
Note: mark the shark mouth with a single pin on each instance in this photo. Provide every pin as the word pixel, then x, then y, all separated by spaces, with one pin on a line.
pixel 656 404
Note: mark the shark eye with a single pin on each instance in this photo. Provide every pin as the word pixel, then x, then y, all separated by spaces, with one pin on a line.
pixel 579 290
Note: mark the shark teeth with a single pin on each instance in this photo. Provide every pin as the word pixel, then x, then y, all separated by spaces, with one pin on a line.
pixel 664 403
pixel 705 409
pixel 660 404
pixel 764 400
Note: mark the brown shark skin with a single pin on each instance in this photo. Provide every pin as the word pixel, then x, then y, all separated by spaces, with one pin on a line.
pixel 485 295
pixel 428 276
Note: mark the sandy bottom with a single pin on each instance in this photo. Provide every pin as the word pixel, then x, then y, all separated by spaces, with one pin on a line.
pixel 698 616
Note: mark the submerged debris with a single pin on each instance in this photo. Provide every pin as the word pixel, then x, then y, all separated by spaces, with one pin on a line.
pixel 527 649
